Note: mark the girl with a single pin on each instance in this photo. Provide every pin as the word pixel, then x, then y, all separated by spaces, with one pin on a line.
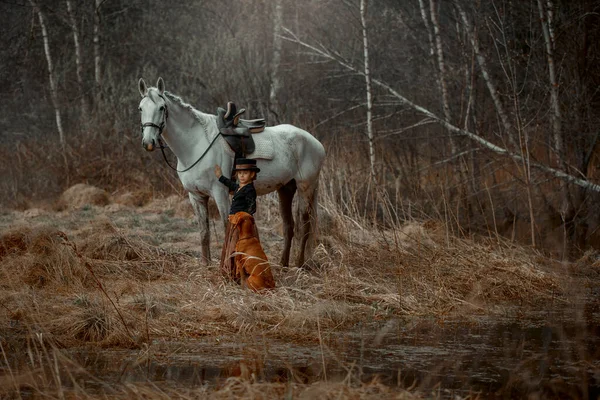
pixel 242 257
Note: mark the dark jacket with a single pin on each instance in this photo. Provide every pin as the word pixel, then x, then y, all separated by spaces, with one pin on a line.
pixel 244 199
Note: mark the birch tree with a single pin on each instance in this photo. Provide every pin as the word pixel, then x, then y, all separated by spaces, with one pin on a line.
pixel 96 39
pixel 51 78
pixel 567 207
pixel 275 86
pixel 78 60
pixel 321 51
pixel 439 51
pixel 367 76
pixel 490 82
pixel 556 114
pixel 425 18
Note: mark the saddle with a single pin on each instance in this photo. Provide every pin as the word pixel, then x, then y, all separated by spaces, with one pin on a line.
pixel 237 131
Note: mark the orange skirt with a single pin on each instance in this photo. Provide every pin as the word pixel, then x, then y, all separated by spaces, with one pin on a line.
pixel 232 235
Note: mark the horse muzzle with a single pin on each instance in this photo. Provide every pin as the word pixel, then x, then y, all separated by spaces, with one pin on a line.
pixel 148 142
pixel 149 146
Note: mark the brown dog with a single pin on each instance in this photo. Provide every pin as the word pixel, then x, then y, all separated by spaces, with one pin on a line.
pixel 250 259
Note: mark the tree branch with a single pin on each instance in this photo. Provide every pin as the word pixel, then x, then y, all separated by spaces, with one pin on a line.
pixel 292 37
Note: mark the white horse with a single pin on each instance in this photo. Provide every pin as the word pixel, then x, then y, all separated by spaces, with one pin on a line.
pixel 193 136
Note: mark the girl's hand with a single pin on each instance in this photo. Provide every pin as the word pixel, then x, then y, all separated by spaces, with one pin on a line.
pixel 218 171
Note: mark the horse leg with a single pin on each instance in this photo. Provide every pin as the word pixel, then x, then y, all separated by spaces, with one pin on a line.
pixel 307 210
pixel 200 205
pixel 222 199
pixel 286 195
pixel 226 264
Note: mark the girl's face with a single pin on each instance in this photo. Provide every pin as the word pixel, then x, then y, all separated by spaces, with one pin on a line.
pixel 245 176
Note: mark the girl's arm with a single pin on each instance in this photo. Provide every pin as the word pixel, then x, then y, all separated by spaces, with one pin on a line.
pixel 227 182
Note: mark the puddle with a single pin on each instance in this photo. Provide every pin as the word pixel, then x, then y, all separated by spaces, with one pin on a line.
pixel 491 356
pixel 551 355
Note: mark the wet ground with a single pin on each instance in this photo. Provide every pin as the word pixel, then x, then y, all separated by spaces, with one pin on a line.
pixel 553 354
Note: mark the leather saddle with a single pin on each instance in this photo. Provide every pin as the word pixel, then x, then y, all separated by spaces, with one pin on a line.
pixel 237 131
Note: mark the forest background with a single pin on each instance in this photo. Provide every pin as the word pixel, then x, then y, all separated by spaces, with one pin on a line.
pixel 480 114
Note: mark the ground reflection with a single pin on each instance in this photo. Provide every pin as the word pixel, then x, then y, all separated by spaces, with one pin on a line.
pixel 553 355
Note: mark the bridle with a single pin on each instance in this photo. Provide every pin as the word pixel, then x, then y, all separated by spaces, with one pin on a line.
pixel 162 124
pixel 161 127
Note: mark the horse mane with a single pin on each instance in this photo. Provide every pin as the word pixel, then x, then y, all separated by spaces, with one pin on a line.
pixel 198 115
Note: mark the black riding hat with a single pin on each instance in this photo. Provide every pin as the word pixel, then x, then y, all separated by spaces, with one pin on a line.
pixel 246 164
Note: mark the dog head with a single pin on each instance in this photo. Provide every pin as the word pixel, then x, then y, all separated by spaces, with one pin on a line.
pixel 244 222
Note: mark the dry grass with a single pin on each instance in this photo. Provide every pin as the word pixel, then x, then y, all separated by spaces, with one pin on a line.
pixel 118 278
pixel 45 381
pixel 81 195
pixel 357 273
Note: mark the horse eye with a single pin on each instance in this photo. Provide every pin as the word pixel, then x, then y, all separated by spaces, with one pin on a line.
pixel 140 108
pixel 161 108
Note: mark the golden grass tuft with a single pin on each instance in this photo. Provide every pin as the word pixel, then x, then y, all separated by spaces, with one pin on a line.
pixel 14 242
pixel 136 198
pixel 41 256
pixel 92 324
pixel 114 247
pixel 81 195
pixel 149 306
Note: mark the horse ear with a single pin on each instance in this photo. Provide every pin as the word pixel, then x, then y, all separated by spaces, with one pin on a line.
pixel 142 87
pixel 160 84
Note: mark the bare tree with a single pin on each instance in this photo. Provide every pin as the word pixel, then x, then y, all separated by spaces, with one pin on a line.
pixel 97 68
pixel 425 18
pixel 556 114
pixel 439 51
pixel 487 77
pixel 275 87
pixel 78 60
pixel 51 79
pixel 367 75
pixel 334 56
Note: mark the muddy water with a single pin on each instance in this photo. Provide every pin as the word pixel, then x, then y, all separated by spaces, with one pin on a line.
pixel 551 354
pixel 503 358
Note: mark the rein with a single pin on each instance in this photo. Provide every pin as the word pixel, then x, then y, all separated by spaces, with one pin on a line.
pixel 161 127
pixel 162 148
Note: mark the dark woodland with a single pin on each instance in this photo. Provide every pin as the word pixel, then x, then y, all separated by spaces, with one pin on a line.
pixel 482 114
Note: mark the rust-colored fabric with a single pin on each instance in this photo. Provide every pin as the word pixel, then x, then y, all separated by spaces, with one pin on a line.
pixel 243 258
pixel 227 265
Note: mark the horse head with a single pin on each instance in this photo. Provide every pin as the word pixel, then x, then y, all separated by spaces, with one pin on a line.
pixel 154 113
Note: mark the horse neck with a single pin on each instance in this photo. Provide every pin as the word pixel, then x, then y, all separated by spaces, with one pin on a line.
pixel 185 133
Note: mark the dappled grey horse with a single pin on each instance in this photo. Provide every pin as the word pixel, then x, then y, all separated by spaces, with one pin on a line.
pixel 290 160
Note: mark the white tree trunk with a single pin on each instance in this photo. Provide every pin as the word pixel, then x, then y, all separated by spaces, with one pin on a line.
pixel 53 89
pixel 427 27
pixel 567 206
pixel 489 81
pixel 97 70
pixel 275 88
pixel 557 118
pixel 440 59
pixel 367 75
pixel 78 60
pixel 551 22
pixel 481 141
